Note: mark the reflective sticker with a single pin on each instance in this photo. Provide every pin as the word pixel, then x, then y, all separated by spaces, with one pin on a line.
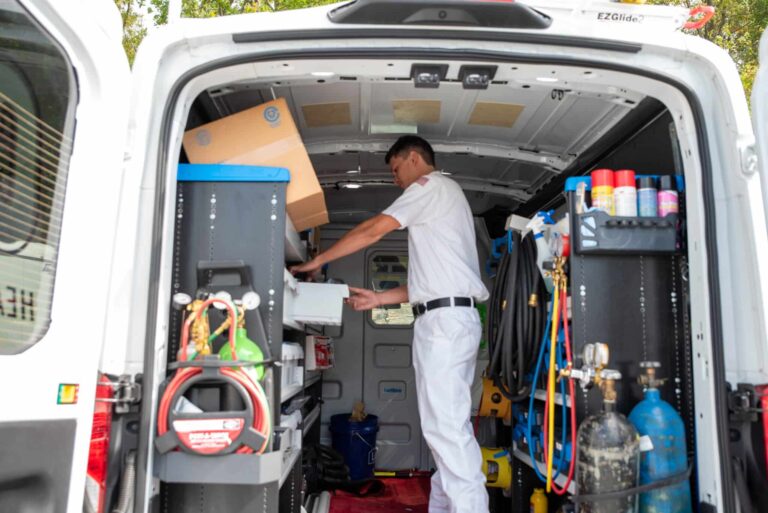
pixel 67 393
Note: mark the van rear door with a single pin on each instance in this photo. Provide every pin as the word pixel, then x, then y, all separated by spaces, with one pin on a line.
pixel 760 116
pixel 62 130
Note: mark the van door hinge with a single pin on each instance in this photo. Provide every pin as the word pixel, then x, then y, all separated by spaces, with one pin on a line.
pixel 127 392
pixel 743 403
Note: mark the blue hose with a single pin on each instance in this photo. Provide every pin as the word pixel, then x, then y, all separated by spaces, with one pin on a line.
pixel 560 363
pixel 533 397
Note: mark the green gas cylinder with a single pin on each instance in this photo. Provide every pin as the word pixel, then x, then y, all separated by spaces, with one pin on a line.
pixel 247 351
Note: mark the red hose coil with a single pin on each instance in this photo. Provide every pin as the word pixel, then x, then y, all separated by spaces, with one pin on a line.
pixel 255 393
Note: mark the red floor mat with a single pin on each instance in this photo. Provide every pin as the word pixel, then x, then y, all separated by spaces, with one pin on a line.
pixel 400 495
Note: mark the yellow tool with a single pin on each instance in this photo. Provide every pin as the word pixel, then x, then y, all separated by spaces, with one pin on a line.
pixel 496 467
pixel 539 501
pixel 201 329
pixel 561 289
pixel 493 403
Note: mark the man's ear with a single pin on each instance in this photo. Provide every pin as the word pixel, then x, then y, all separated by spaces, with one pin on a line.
pixel 415 157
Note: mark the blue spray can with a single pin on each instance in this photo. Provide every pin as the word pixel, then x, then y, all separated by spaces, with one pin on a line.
pixel 659 421
pixel 647 197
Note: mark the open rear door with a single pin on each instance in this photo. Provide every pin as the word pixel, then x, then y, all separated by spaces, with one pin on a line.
pixel 760 116
pixel 62 129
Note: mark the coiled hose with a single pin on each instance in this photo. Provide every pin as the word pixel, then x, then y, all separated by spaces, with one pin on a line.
pixel 516 319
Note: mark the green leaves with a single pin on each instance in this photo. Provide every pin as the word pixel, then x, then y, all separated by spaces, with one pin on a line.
pixel 736 27
pixel 137 13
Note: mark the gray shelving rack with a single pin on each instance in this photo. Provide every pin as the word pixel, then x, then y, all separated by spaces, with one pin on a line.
pixel 230 234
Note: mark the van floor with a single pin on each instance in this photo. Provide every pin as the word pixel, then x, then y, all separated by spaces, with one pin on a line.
pixel 409 495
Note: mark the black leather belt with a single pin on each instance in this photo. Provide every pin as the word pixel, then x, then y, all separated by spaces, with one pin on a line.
pixel 422 308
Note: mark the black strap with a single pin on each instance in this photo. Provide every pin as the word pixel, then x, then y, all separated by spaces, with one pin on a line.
pixel 662 483
pixel 422 308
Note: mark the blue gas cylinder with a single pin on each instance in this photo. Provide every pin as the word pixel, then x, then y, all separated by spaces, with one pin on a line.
pixel 657 419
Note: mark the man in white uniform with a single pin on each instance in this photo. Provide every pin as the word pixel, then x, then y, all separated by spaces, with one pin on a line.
pixel 443 285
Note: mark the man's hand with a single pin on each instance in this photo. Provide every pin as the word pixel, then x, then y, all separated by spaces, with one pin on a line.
pixel 363 299
pixel 312 268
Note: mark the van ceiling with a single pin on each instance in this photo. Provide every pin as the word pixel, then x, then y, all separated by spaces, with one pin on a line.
pixel 503 144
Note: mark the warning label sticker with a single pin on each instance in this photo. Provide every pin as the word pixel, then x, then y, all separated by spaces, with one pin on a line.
pixel 208 436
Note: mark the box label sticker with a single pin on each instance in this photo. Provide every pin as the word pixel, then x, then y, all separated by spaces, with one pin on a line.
pixel 272 116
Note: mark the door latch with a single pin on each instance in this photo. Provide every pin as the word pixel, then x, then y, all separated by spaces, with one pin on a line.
pixel 126 392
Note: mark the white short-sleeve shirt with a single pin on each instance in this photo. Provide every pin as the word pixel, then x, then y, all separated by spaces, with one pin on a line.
pixel 442 252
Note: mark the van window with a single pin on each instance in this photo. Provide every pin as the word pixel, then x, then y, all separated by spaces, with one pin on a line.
pixel 36 125
pixel 388 271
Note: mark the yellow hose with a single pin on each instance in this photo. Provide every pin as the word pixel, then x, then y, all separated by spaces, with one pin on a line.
pixel 551 387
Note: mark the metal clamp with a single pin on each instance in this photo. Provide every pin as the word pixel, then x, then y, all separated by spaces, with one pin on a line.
pixel 127 392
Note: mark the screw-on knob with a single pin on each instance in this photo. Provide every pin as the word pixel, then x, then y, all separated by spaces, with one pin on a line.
pixel 596 355
pixel 648 378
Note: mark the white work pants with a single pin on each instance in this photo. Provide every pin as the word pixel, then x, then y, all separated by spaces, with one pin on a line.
pixel 445 345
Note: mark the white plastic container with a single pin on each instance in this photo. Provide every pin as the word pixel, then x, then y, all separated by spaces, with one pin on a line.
pixel 292 375
pixel 292 423
pixel 321 304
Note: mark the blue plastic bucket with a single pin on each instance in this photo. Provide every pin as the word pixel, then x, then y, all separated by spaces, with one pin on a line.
pixel 356 441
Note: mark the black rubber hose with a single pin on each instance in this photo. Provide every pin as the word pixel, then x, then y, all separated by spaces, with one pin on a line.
pixel 515 328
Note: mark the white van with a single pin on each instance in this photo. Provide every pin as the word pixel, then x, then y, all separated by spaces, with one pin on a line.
pixel 514 96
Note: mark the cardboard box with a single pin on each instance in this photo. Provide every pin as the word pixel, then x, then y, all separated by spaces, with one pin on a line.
pixel 264 136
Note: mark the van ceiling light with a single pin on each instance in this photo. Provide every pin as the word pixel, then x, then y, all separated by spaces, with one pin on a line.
pixel 394 128
pixel 428 75
pixel 322 73
pixel 350 185
pixel 546 79
pixel 476 77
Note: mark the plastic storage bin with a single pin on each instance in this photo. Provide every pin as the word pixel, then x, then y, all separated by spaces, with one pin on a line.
pixel 292 424
pixel 292 375
pixel 312 303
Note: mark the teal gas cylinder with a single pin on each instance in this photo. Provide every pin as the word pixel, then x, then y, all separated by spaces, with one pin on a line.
pixel 657 419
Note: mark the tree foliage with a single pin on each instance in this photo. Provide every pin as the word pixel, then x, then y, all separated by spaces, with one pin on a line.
pixel 737 24
pixel 136 12
pixel 736 27
pixel 133 26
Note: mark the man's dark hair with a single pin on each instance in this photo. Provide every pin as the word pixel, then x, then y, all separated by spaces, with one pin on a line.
pixel 408 143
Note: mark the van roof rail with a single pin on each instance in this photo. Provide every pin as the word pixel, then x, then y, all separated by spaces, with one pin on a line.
pixel 476 13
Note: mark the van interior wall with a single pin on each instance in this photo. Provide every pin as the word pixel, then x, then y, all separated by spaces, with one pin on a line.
pixel 373 360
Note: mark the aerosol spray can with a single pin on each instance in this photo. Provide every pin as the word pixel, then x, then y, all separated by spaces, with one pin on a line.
pixel 668 201
pixel 602 190
pixel 647 196
pixel 625 193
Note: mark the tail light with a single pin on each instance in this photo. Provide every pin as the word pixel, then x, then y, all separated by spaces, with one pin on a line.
pixel 762 392
pixel 96 477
